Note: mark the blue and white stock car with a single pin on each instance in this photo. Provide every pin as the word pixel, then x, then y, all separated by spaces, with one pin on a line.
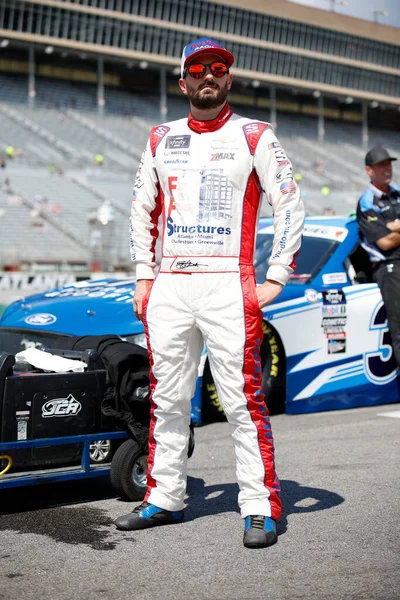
pixel 326 342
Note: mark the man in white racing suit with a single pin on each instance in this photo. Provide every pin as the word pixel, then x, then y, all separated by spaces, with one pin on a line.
pixel 205 175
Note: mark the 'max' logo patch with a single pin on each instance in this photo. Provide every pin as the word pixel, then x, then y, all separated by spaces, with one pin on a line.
pixel 223 156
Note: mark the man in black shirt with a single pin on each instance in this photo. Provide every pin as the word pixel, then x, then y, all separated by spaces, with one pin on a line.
pixel 378 216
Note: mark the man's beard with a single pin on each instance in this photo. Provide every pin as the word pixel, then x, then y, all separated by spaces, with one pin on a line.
pixel 198 100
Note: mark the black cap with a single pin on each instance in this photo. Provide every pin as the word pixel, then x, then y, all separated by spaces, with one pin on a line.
pixel 377 155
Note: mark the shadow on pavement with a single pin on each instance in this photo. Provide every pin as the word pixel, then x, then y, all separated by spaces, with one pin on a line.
pixel 220 498
pixel 41 509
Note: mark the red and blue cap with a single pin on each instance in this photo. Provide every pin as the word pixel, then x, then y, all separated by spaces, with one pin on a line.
pixel 204 46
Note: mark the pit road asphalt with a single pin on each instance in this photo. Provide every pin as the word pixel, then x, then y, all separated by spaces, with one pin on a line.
pixel 339 536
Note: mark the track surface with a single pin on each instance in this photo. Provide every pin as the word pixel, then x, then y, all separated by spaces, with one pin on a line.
pixel 338 537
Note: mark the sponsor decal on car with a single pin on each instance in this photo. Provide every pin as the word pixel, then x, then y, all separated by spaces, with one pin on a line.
pixel 311 296
pixel 334 309
pixel 340 335
pixel 336 346
pixel 333 297
pixel 329 278
pixel 326 231
pixel 40 319
pixel 333 321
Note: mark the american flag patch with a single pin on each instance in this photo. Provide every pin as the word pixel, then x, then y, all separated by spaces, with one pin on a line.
pixel 289 187
pixel 274 145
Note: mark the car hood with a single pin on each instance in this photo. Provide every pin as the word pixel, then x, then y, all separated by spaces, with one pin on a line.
pixel 94 308
pixel 87 308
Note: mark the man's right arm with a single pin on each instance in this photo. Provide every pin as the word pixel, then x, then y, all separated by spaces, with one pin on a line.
pixel 145 210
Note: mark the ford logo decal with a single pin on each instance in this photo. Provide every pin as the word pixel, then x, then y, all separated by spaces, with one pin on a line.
pixel 41 319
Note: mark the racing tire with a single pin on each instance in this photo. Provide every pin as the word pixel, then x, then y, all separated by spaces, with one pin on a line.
pixel 273 362
pixel 273 380
pixel 128 471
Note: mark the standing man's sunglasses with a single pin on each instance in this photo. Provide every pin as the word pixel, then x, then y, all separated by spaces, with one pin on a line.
pixel 198 70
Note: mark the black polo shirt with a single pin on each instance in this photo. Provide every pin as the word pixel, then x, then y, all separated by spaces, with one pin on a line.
pixel 374 210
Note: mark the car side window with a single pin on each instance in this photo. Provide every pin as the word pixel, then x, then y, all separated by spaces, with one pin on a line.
pixel 358 266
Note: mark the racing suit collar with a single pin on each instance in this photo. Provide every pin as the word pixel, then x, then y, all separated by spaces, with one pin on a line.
pixel 207 126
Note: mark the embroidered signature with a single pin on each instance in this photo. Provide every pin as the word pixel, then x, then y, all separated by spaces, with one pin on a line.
pixel 185 264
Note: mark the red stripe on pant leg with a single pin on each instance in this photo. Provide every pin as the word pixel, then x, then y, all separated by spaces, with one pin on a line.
pixel 252 372
pixel 151 482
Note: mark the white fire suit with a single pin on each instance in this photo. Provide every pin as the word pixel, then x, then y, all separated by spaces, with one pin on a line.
pixel 206 179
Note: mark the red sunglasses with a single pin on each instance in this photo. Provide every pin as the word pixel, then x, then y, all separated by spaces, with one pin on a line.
pixel 198 70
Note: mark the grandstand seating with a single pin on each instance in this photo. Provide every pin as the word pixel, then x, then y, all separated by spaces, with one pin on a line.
pixel 64 130
pixel 54 221
pixel 27 237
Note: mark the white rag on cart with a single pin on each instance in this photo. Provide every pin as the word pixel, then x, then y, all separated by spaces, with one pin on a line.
pixel 49 362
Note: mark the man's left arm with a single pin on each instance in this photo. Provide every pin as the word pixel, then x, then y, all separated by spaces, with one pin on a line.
pixel 275 173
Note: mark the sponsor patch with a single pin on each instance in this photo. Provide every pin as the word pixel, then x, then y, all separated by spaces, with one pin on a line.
pixel 178 141
pixel 285 174
pixel 280 155
pixel 138 179
pixel 176 161
pixel 222 156
pixel 288 187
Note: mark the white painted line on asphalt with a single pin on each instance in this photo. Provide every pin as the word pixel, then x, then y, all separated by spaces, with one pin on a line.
pixel 395 414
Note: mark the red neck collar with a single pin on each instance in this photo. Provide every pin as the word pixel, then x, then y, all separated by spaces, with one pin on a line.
pixel 207 126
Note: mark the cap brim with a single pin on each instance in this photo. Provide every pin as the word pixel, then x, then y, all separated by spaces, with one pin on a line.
pixel 226 56
pixel 370 164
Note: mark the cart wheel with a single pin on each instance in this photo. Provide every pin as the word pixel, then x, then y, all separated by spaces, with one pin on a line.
pixel 128 471
pixel 101 451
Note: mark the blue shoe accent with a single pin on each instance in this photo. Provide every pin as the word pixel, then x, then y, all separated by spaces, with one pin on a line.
pixel 148 515
pixel 149 511
pixel 152 510
pixel 247 524
pixel 259 531
pixel 270 525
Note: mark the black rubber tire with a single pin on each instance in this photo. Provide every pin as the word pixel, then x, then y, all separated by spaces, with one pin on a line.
pixel 273 380
pixel 273 363
pixel 128 471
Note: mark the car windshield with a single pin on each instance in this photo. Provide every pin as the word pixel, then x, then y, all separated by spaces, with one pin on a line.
pixel 314 253
pixel 17 340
